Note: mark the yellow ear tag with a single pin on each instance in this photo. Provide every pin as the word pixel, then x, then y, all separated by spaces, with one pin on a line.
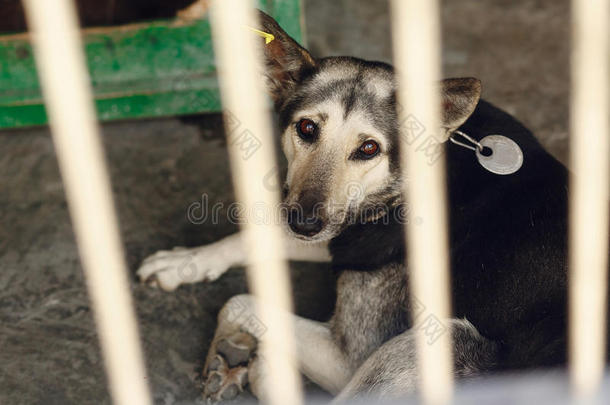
pixel 268 37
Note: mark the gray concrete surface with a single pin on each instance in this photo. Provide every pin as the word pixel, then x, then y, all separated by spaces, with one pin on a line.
pixel 48 344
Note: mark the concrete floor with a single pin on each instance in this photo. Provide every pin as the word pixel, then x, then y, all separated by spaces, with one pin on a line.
pixel 49 351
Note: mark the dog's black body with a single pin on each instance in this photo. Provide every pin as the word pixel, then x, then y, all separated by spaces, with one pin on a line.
pixel 508 239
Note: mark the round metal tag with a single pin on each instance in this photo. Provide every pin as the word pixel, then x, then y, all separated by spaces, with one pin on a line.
pixel 506 156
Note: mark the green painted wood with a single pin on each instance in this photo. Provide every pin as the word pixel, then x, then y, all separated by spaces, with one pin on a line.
pixel 142 70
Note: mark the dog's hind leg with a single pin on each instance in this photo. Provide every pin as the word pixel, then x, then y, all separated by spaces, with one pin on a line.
pixel 390 372
pixel 320 359
pixel 232 360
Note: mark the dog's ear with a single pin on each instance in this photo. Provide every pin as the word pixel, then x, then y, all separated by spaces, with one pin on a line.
pixel 459 97
pixel 286 62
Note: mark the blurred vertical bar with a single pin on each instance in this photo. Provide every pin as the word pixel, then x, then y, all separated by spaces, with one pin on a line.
pixel 589 193
pixel 244 102
pixel 416 38
pixel 65 83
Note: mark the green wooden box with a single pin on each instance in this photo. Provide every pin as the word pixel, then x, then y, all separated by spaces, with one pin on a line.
pixel 154 69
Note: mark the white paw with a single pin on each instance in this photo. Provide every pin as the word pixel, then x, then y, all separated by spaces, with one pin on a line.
pixel 169 269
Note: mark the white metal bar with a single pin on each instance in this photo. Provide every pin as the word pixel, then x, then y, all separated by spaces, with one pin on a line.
pixel 68 97
pixel 243 98
pixel 416 38
pixel 589 198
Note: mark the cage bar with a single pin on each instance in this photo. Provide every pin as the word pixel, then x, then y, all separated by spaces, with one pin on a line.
pixel 589 193
pixel 243 100
pixel 68 97
pixel 416 38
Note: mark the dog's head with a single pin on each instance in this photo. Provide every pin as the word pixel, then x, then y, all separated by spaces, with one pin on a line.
pixel 340 134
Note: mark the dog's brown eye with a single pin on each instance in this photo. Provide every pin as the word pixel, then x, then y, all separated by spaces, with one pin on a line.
pixel 307 130
pixel 369 149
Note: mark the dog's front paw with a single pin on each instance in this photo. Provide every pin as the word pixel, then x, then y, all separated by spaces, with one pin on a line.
pixel 226 373
pixel 170 269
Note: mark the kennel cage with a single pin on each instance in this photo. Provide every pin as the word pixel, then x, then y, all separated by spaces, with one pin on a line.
pixel 71 111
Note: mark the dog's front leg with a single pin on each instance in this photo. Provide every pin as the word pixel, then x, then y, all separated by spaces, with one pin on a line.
pixel 169 269
pixel 232 359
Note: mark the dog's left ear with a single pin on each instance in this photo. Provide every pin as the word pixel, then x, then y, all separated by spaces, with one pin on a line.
pixel 459 97
pixel 286 61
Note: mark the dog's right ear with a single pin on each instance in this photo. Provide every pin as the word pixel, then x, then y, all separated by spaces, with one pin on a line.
pixel 460 97
pixel 286 61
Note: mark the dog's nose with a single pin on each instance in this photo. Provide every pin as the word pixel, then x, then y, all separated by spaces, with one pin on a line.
pixel 307 226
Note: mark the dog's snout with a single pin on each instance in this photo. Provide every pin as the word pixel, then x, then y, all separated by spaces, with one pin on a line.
pixel 306 215
pixel 302 224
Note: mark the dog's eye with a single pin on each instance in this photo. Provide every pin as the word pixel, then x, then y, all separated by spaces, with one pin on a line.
pixel 307 130
pixel 368 149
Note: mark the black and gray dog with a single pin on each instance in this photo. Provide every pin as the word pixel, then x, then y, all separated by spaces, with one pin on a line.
pixel 508 236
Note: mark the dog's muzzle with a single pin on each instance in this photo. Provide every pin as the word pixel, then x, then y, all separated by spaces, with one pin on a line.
pixel 304 225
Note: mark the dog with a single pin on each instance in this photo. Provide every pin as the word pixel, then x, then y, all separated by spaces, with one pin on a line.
pixel 508 236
